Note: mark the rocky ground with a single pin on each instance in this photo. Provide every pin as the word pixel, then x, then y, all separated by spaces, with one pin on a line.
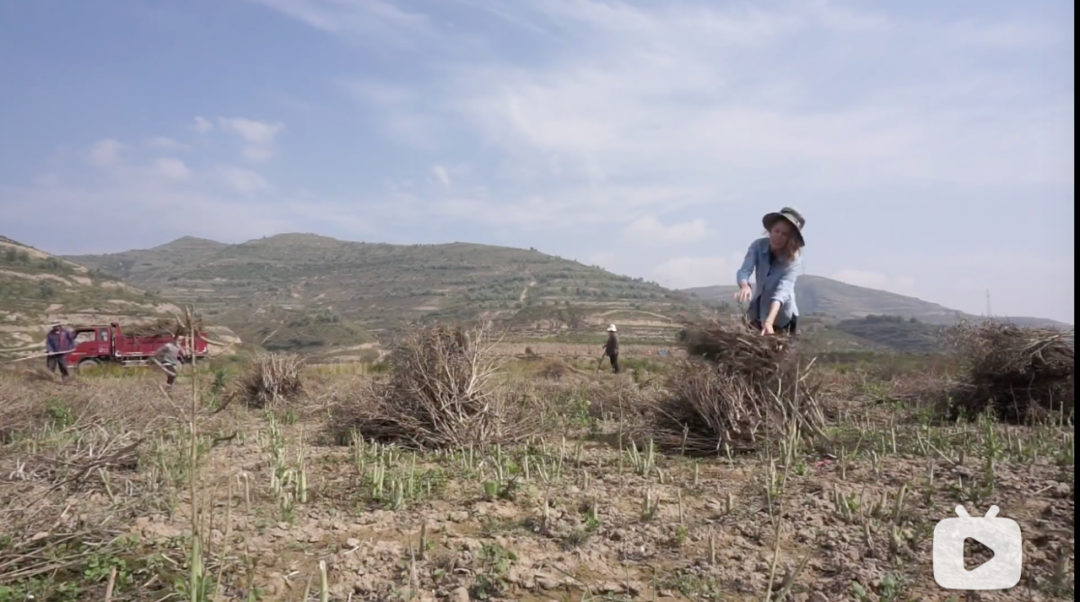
pixel 96 502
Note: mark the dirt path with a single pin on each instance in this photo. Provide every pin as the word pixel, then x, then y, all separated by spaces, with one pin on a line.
pixel 647 313
pixel 525 291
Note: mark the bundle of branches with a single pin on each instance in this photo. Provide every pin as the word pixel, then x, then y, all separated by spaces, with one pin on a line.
pixel 734 343
pixel 737 389
pixel 1023 374
pixel 272 377
pixel 164 327
pixel 442 391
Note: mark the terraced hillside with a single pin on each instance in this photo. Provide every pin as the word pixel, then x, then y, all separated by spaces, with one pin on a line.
pixel 278 281
pixel 36 288
pixel 820 295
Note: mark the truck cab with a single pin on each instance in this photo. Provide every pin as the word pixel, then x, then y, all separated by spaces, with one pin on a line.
pixel 93 344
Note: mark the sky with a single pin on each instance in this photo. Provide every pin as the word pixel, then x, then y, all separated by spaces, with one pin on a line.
pixel 929 145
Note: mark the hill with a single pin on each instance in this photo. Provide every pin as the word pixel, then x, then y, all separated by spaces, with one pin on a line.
pixel 145 265
pixel 291 281
pixel 824 296
pixel 36 288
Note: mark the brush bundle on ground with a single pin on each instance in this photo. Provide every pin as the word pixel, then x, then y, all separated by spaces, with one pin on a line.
pixel 1023 374
pixel 442 391
pixel 734 344
pixel 737 389
pixel 272 378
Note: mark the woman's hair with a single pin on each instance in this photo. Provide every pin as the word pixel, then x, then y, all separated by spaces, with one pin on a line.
pixel 791 250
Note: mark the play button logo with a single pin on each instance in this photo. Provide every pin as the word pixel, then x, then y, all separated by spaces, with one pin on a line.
pixel 999 536
pixel 975 554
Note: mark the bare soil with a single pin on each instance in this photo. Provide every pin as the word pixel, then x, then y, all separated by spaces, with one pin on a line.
pixel 578 515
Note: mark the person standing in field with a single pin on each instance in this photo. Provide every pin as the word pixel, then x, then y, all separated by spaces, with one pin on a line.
pixel 611 348
pixel 776 259
pixel 168 356
pixel 58 344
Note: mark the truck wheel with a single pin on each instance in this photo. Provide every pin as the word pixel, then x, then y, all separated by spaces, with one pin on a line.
pixel 88 365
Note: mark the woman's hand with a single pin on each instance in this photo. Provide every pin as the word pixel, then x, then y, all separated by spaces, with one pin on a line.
pixel 767 329
pixel 745 294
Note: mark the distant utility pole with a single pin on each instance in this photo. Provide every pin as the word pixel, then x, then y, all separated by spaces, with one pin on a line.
pixel 989 312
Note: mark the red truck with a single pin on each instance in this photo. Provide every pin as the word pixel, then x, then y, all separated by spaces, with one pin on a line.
pixel 97 345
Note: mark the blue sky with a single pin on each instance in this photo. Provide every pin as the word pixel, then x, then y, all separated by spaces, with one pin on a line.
pixel 929 144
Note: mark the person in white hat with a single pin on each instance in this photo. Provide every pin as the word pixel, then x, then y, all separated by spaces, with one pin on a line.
pixel 611 348
pixel 776 259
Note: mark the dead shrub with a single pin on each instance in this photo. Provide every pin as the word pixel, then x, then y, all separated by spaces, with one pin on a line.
pixel 620 398
pixel 1023 374
pixel 272 377
pixel 441 391
pixel 736 389
pixel 553 370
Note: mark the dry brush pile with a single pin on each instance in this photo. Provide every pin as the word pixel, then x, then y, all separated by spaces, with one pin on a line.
pixel 272 378
pixel 1023 374
pixel 181 325
pixel 735 391
pixel 442 390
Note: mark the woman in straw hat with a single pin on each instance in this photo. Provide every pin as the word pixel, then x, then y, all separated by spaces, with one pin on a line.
pixel 777 260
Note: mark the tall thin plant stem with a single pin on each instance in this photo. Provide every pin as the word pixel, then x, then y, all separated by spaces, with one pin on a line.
pixel 195 582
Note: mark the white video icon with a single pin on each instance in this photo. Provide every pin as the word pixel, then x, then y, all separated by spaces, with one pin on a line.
pixel 1001 535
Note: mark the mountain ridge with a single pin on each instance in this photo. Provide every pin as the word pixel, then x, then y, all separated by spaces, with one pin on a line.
pixel 311 293
pixel 822 295
pixel 375 287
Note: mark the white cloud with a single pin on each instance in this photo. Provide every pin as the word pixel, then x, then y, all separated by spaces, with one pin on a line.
pixel 563 210
pixel 166 143
pixel 171 168
pixel 609 260
pixel 376 22
pixel 202 125
pixel 1006 36
pixel 649 230
pixel 259 135
pixel 903 285
pixel 240 202
pixel 687 272
pixel 254 132
pixel 258 153
pixel 243 181
pixel 637 91
pixel 442 175
pixel 134 202
pixel 106 153
pixel 379 93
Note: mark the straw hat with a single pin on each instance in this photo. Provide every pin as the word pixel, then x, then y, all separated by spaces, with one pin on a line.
pixel 792 216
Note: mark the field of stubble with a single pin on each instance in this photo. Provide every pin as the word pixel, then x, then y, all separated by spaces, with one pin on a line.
pixel 105 482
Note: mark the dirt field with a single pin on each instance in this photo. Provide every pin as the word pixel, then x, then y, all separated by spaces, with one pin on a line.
pixel 96 494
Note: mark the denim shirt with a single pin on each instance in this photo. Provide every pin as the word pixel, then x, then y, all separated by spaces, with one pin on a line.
pixel 774 283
